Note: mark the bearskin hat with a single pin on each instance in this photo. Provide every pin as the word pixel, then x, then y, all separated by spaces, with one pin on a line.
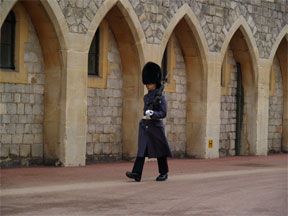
pixel 151 73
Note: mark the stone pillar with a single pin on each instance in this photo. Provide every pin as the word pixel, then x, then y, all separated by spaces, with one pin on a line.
pixel 213 105
pixel 73 114
pixel 262 109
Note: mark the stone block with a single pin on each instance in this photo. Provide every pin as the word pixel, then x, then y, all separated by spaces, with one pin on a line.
pixel 107 149
pixel 17 98
pixel 91 128
pixel 28 109
pixel 25 98
pixel 38 89
pixel 37 109
pixel 20 109
pixel 22 119
pixel 2 129
pixel 14 149
pixel 11 128
pixel 109 129
pixel 9 88
pixel 30 57
pixel 98 148
pixel 30 118
pixel 90 149
pixel 89 138
pixel 104 138
pixel 4 151
pixel 25 150
pixel 3 108
pixel 20 88
pixel 6 138
pixel 95 138
pixel 37 128
pixel 7 97
pixel 108 111
pixel 37 150
pixel 93 7
pixel 116 149
pixel 38 139
pixel 28 139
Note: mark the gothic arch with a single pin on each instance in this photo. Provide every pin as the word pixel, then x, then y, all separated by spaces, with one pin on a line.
pixel 193 44
pixel 243 26
pixel 282 34
pixel 245 51
pixel 185 12
pixel 46 18
pixel 280 49
pixel 131 18
pixel 130 40
pixel 5 8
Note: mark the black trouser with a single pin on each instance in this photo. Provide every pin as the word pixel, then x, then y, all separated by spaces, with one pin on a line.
pixel 162 165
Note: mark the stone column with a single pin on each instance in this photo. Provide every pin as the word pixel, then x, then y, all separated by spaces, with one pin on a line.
pixel 73 114
pixel 213 105
pixel 262 109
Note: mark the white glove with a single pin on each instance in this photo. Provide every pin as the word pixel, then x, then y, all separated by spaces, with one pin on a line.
pixel 149 112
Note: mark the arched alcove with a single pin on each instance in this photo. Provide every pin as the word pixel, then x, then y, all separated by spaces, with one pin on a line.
pixel 185 28
pixel 132 90
pixel 282 55
pixel 246 112
pixel 51 52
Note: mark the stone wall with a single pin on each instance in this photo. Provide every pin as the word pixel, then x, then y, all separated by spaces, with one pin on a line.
pixel 228 112
pixel 175 123
pixel 216 17
pixel 22 110
pixel 276 111
pixel 104 126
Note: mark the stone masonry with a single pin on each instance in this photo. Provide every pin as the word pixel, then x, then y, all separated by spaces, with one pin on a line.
pixel 175 122
pixel 276 112
pixel 79 13
pixel 104 120
pixel 265 18
pixel 22 110
pixel 228 112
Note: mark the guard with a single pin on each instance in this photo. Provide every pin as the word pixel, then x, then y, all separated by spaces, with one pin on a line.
pixel 152 142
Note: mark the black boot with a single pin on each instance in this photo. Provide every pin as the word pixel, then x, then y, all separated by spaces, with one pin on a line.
pixel 133 175
pixel 162 177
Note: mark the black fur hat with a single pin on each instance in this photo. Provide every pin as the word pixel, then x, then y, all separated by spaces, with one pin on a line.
pixel 151 73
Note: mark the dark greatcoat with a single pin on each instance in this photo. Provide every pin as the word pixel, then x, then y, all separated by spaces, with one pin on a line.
pixel 152 132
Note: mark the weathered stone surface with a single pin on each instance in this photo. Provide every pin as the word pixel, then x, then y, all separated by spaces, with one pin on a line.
pixel 228 112
pixel 276 111
pixel 262 18
pixel 104 117
pixel 175 123
pixel 22 108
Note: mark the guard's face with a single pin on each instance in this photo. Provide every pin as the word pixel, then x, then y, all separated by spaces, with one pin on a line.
pixel 151 86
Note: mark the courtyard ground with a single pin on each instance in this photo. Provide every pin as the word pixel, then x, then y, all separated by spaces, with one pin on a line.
pixel 232 186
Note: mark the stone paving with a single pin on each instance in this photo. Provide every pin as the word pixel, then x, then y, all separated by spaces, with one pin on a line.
pixel 233 186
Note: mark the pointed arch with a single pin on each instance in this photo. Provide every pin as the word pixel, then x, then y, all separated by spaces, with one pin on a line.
pixel 243 26
pixel 282 34
pixel 130 16
pixel 280 51
pixel 54 12
pixel 130 38
pixel 187 29
pixel 185 12
pixel 59 22
pixel 245 51
pixel 5 8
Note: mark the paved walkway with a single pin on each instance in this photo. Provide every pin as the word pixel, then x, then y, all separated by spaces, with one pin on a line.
pixel 234 186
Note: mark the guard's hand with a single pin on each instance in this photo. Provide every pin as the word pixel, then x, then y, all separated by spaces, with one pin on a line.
pixel 149 112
